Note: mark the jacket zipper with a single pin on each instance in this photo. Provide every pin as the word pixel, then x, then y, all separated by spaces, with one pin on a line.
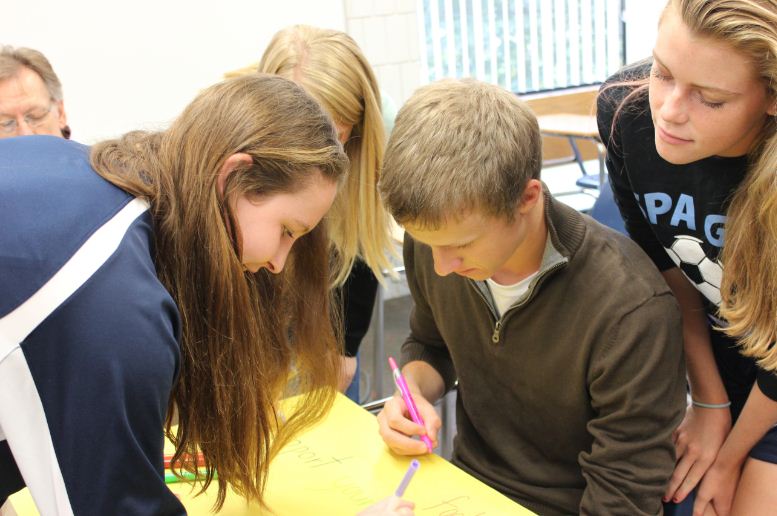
pixel 495 336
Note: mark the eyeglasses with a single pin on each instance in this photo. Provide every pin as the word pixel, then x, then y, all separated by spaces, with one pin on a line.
pixel 33 120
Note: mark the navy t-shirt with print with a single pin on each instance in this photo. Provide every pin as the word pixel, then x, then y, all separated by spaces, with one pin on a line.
pixel 676 213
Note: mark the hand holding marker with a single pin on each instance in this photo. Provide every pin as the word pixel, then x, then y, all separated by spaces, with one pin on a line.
pixel 394 504
pixel 414 465
pixel 399 380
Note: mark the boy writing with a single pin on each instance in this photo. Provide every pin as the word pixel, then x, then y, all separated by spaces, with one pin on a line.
pixel 566 345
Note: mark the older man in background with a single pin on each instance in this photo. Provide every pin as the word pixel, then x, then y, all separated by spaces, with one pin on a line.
pixel 30 95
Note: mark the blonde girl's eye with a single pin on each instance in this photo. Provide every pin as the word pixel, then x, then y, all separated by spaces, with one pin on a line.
pixel 287 232
pixel 655 72
pixel 709 104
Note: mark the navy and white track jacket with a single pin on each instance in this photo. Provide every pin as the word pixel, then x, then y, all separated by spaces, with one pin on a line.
pixel 88 337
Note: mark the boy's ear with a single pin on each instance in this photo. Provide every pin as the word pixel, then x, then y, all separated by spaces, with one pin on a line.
pixel 531 195
pixel 234 162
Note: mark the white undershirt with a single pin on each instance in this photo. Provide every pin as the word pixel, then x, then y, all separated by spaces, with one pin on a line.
pixel 505 295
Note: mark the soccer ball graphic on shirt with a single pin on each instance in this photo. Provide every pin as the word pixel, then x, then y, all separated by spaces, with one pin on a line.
pixel 706 274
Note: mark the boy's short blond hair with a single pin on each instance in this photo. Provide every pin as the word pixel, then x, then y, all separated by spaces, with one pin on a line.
pixel 459 146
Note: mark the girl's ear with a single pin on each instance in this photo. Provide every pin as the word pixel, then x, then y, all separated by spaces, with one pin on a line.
pixel 234 162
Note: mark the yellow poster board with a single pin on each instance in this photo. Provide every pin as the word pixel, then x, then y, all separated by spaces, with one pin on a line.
pixel 342 466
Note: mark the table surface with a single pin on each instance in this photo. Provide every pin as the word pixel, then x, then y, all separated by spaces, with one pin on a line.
pixel 340 466
pixel 569 124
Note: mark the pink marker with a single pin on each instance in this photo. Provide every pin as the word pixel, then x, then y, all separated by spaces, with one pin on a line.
pixel 399 380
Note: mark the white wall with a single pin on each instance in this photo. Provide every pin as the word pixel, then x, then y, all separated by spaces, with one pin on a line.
pixel 135 65
pixel 641 18
pixel 387 32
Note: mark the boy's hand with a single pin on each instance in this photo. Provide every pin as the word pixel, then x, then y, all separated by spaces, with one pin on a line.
pixel 397 429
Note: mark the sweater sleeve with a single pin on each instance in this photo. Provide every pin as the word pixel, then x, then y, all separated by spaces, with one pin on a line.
pixel 637 389
pixel 358 299
pixel 618 168
pixel 424 342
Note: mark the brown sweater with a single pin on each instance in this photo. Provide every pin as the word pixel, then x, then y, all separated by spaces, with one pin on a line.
pixel 570 405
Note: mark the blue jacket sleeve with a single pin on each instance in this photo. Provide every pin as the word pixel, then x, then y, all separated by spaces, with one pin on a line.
pixel 102 368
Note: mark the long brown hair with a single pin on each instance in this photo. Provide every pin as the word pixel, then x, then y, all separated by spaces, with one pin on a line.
pixel 242 333
pixel 331 67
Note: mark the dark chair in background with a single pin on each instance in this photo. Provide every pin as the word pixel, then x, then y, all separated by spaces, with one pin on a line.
pixel 606 211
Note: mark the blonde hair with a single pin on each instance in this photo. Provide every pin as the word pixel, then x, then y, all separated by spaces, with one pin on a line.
pixel 458 146
pixel 749 302
pixel 749 288
pixel 241 333
pixel 332 68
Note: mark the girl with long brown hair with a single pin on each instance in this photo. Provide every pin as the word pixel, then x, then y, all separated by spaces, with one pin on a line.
pixel 154 274
pixel 691 149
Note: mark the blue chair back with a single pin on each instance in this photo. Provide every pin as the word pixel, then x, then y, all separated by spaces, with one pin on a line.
pixel 606 211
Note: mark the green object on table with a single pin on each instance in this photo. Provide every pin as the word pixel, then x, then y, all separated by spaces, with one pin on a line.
pixel 185 476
